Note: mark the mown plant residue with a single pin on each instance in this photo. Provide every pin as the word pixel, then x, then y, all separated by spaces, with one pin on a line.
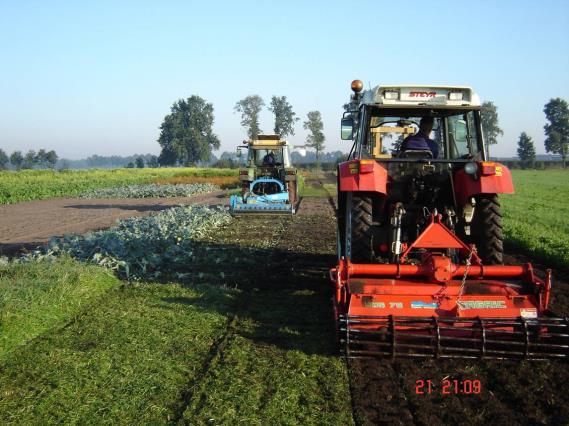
pixel 149 247
pixel 151 191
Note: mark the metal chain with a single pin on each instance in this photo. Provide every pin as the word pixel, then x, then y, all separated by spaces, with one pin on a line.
pixel 468 264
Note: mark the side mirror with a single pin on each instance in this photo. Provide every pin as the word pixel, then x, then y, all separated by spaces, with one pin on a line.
pixel 238 153
pixel 347 132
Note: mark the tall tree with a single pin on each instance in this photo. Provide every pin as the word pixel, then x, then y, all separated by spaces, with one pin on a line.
pixel 526 150
pixel 30 160
pixel 490 127
pixel 139 162
pixel 284 116
pixel 51 159
pixel 250 107
pixel 315 138
pixel 557 130
pixel 17 159
pixel 3 159
pixel 186 134
pixel 41 158
pixel 167 155
pixel 152 161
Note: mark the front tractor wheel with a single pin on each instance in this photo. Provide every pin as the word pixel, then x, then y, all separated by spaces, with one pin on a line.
pixel 487 229
pixel 359 238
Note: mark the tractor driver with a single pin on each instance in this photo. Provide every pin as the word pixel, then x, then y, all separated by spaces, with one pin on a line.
pixel 269 159
pixel 420 141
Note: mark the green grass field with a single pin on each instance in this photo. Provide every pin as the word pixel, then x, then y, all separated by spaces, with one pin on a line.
pixel 536 217
pixel 35 297
pixel 27 185
pixel 220 347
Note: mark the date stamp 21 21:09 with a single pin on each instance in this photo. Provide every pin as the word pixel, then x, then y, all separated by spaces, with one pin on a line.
pixel 448 387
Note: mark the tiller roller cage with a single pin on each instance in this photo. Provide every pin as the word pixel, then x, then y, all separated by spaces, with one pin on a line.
pixel 265 195
pixel 437 308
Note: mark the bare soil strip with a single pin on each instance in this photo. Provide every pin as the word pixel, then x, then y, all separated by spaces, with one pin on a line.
pixel 29 224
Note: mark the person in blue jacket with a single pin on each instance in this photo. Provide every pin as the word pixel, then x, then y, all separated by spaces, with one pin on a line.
pixel 420 140
pixel 269 159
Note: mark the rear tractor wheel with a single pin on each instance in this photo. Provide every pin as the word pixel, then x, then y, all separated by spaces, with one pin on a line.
pixel 359 238
pixel 487 229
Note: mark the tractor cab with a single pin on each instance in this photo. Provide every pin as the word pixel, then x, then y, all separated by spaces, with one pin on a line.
pixel 382 118
pixel 268 156
pixel 420 148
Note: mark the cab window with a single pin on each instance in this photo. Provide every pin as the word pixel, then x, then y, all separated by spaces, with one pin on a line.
pixel 462 136
pixel 261 153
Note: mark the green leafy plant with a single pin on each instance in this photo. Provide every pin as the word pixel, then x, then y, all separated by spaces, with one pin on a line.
pixel 138 248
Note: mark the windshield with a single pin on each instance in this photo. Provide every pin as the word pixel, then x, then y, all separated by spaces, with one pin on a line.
pixel 453 135
pixel 260 156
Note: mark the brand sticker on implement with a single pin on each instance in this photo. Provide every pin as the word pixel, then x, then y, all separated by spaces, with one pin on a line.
pixel 481 304
pixel 424 305
pixel 368 302
pixel 528 313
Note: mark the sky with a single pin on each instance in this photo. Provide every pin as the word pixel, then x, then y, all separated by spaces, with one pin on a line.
pixel 98 77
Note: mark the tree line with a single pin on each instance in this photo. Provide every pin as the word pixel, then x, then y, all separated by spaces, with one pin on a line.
pixel 32 159
pixel 187 137
pixel 556 131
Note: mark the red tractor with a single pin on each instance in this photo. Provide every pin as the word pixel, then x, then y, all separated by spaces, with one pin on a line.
pixel 420 245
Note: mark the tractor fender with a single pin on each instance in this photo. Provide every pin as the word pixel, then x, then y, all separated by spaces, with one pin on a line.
pixel 490 178
pixel 362 175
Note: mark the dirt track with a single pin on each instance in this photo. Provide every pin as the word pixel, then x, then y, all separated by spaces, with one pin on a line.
pixel 29 224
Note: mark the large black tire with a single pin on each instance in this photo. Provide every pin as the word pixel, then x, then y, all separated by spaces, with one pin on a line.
pixel 487 229
pixel 361 228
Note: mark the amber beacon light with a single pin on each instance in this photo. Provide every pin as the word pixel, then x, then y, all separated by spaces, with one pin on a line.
pixel 357 86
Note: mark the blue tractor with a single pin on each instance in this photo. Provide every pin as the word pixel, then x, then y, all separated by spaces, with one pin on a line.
pixel 269 182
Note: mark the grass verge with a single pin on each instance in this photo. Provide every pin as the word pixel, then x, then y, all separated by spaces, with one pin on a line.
pixel 124 361
pixel 37 296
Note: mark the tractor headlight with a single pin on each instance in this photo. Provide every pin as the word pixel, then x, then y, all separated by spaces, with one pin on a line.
pixel 391 94
pixel 455 96
pixel 470 168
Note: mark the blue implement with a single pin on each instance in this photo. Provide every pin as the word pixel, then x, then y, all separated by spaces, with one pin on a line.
pixel 265 195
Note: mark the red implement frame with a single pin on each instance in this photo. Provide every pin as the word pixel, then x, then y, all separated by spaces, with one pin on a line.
pixel 441 309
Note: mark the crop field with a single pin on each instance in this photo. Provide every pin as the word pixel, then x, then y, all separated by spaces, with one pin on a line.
pixel 27 185
pixel 536 218
pixel 190 316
